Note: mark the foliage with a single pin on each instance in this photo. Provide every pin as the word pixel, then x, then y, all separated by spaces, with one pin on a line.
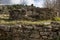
pixel 57 18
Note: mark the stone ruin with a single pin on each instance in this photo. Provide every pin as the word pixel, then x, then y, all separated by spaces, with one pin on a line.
pixel 30 32
pixel 17 14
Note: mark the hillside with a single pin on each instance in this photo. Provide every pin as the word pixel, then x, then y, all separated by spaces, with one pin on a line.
pixel 27 12
pixel 23 14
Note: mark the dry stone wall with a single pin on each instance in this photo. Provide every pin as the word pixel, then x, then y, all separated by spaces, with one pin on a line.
pixel 30 32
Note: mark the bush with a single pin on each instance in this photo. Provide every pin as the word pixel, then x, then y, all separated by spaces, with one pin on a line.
pixel 57 18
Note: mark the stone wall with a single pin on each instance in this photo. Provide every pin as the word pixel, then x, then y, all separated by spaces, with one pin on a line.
pixel 30 32
pixel 32 13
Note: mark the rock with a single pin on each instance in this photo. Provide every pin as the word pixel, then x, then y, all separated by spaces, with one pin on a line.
pixel 30 32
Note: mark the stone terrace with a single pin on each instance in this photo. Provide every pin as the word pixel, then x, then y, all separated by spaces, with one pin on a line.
pixel 30 32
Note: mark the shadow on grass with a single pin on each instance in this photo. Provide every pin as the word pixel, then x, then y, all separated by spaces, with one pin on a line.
pixel 7 19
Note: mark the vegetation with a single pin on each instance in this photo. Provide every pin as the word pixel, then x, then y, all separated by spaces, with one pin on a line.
pixel 57 18
pixel 4 19
pixel 34 14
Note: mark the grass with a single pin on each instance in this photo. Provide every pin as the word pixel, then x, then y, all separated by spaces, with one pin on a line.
pixel 4 20
pixel 14 22
pixel 57 18
pixel 4 16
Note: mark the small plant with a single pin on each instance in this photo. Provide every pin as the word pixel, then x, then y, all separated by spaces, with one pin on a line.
pixel 57 18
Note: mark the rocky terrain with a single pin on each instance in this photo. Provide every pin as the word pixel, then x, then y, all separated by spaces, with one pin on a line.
pixel 20 31
pixel 23 22
pixel 30 32
pixel 27 12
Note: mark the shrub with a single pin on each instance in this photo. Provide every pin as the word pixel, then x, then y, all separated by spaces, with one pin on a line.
pixel 57 18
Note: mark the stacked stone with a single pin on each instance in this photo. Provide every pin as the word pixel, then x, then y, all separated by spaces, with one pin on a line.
pixel 34 32
pixel 31 32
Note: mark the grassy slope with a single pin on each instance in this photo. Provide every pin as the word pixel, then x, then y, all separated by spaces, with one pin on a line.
pixel 4 20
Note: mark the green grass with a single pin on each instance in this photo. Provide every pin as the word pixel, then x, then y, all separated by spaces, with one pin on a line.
pixel 57 18
pixel 4 20
pixel 14 22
